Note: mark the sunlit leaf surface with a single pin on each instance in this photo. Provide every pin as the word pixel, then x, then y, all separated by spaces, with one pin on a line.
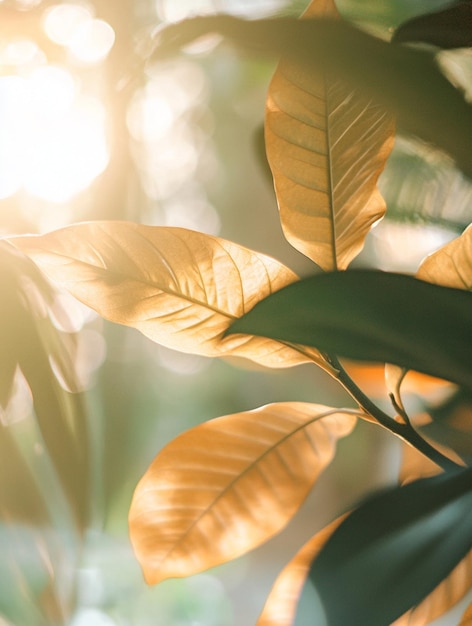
pixel 373 316
pixel 451 265
pixel 180 288
pixel 326 145
pixel 281 605
pixel 226 486
pixel 394 550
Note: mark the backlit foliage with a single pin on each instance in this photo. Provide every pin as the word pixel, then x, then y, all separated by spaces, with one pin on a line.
pixel 226 486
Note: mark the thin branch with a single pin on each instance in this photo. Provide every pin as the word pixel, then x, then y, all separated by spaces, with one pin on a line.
pixel 404 430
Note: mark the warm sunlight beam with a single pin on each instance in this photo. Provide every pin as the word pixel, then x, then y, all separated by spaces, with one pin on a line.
pixel 53 136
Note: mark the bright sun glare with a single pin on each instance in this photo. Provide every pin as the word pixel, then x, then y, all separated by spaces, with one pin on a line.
pixel 53 131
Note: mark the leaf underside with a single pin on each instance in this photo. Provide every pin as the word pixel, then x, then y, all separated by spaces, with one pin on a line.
pixel 179 287
pixel 224 487
pixel 326 145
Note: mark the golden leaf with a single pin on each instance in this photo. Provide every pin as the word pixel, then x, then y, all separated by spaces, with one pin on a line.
pixel 223 488
pixel 281 605
pixel 467 617
pixel 451 265
pixel 180 288
pixel 326 145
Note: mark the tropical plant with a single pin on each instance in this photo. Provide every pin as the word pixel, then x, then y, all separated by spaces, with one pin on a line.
pixel 224 487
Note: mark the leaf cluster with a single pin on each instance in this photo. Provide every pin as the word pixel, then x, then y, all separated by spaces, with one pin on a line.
pixel 230 484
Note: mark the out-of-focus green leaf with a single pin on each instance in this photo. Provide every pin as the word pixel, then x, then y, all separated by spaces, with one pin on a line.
pixel 406 81
pixel 394 550
pixel 449 28
pixel 30 343
pixel 373 316
pixel 319 131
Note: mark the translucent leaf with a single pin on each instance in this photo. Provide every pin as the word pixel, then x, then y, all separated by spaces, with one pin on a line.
pixel 394 550
pixel 327 145
pixel 372 316
pixel 226 486
pixel 451 265
pixel 467 617
pixel 180 288
pixel 281 605
pixel 449 28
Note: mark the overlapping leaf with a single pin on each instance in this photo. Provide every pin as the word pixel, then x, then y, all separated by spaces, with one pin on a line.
pixel 281 605
pixel 446 595
pixel 327 145
pixel 373 316
pixel 180 288
pixel 394 550
pixel 226 486
pixel 457 584
pixel 451 265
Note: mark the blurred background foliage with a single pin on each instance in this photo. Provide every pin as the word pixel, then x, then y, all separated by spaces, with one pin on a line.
pixel 90 132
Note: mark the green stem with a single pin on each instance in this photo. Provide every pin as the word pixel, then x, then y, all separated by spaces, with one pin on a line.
pixel 404 430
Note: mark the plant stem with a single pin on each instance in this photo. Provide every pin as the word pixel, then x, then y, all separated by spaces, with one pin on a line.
pixel 404 430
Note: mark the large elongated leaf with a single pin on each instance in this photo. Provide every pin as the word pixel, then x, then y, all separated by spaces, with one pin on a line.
pixel 451 265
pixel 226 486
pixel 394 550
pixel 373 316
pixel 406 81
pixel 180 288
pixel 30 343
pixel 326 144
pixel 281 605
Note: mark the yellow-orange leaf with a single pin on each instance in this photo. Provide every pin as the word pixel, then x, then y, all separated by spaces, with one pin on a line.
pixel 180 288
pixel 281 605
pixel 226 486
pixel 326 145
pixel 467 617
pixel 450 266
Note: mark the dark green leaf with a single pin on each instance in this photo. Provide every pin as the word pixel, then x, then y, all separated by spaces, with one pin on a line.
pixel 449 28
pixel 407 81
pixel 394 550
pixel 372 316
